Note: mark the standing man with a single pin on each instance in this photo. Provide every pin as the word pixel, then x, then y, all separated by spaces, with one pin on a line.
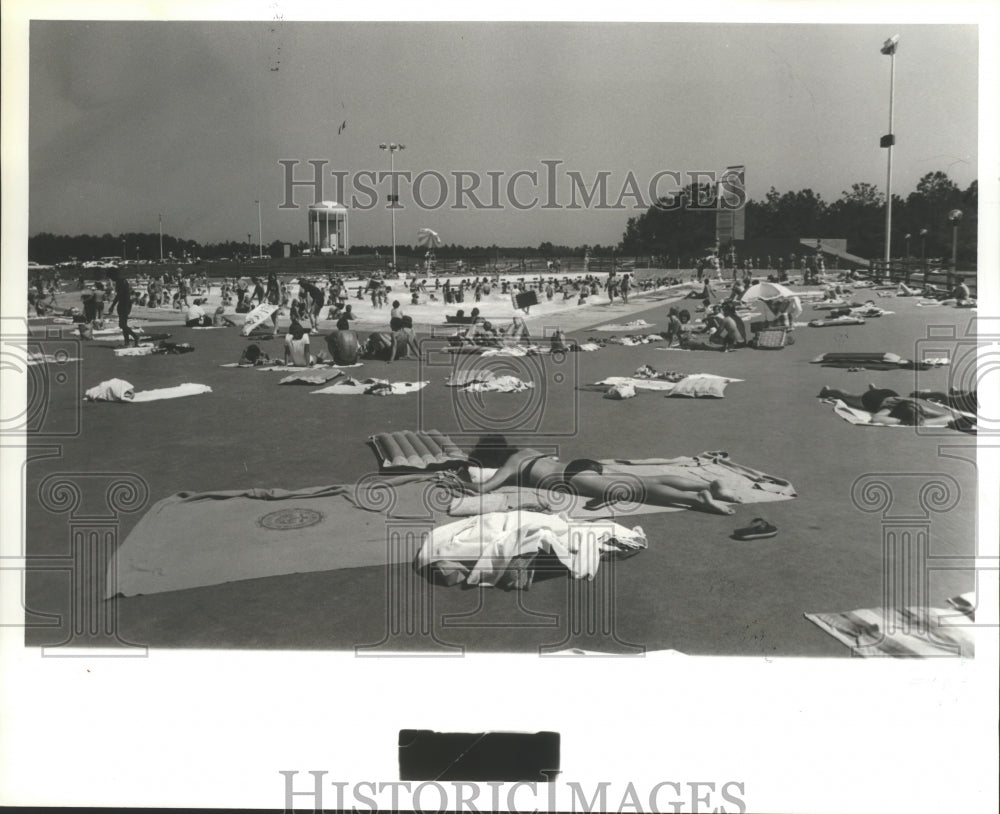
pixel 315 293
pixel 123 301
pixel 273 296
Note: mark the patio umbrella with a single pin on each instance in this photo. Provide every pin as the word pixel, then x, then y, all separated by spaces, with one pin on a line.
pixel 773 296
pixel 766 291
pixel 428 238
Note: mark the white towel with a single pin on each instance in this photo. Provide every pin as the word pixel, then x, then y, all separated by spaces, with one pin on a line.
pixel 498 384
pixel 493 540
pixel 353 387
pixel 123 391
pixel 142 350
pixel 50 359
pixel 111 390
pixel 176 392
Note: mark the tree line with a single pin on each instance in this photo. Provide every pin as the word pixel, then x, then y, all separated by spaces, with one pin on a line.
pixel 678 231
pixel 858 215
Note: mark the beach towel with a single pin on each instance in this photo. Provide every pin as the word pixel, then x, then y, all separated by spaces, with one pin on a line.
pixel 635 341
pixel 373 387
pixel 835 321
pixel 135 325
pixel 320 376
pixel 694 385
pixel 405 449
pixel 142 350
pixel 863 418
pixel 189 540
pixel 176 392
pixel 903 632
pixel 257 317
pixel 750 485
pixel 516 350
pixel 869 360
pixel 634 325
pixel 122 391
pixel 50 359
pixel 498 384
pixel 484 380
pixel 500 549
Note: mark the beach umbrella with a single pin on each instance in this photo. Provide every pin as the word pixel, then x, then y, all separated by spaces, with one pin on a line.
pixel 774 296
pixel 428 238
pixel 766 291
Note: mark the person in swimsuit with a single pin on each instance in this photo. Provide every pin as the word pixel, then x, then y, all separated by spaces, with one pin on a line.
pixel 888 407
pixel 586 477
pixel 122 303
pixel 273 296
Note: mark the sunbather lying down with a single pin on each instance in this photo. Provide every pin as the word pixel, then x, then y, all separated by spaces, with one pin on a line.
pixel 888 407
pixel 586 478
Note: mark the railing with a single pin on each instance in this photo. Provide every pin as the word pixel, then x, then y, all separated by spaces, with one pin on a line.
pixel 916 272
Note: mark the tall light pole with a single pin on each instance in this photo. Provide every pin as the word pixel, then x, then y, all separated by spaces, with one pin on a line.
pixel 887 141
pixel 906 238
pixel 393 147
pixel 923 245
pixel 161 237
pixel 260 230
pixel 953 218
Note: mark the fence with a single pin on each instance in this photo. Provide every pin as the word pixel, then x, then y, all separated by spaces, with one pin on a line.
pixel 916 272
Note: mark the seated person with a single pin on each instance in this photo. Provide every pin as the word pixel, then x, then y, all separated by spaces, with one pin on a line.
pixel 961 295
pixel 729 334
pixel 297 346
pixel 674 327
pixel 484 334
pixel 253 355
pixel 888 407
pixel 379 345
pixel 558 342
pixel 220 320
pixel 195 316
pixel 344 321
pixel 585 477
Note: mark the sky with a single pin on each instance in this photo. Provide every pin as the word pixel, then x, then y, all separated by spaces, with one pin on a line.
pixel 133 120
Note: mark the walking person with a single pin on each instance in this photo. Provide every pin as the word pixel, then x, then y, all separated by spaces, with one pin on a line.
pixel 123 303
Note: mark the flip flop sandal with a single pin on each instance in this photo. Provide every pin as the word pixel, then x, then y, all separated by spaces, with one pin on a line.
pixel 757 530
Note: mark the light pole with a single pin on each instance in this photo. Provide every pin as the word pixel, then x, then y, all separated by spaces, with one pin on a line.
pixel 923 253
pixel 260 230
pixel 953 218
pixel 124 253
pixel 887 141
pixel 161 237
pixel 906 238
pixel 392 147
